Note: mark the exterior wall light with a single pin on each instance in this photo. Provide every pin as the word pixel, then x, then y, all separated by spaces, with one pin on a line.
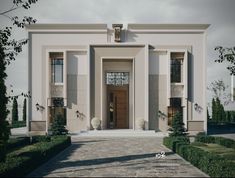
pixel 39 107
pixel 79 114
pixel 198 108
pixel 161 115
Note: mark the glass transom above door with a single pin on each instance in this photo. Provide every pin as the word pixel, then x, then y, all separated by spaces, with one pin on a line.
pixel 117 78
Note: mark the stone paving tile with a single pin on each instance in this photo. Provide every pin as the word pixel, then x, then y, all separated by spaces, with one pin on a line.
pixel 116 157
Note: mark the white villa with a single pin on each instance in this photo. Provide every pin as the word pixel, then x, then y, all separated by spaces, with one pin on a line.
pixel 118 74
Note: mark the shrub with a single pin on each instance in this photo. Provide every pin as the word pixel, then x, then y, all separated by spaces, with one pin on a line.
pixel 14 143
pixel 201 137
pixel 173 142
pixel 23 161
pixel 40 138
pixel 210 163
pixel 2 152
pixel 229 143
pixel 58 127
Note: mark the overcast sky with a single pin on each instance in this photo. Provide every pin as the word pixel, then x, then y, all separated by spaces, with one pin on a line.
pixel 219 13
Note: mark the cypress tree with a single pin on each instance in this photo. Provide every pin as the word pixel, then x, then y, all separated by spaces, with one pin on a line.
pixel 178 125
pixel 58 127
pixel 24 110
pixel 4 129
pixel 4 125
pixel 232 116
pixel 15 110
pixel 214 113
pixel 220 111
pixel 208 115
pixel 228 116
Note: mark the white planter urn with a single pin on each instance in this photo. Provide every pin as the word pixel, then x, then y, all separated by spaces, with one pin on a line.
pixel 95 122
pixel 140 123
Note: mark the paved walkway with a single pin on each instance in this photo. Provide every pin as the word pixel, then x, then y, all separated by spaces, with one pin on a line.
pixel 116 157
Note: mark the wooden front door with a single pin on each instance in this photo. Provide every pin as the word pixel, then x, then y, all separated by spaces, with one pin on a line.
pixel 117 107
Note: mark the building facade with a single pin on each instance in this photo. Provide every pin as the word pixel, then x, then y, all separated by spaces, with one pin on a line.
pixel 148 71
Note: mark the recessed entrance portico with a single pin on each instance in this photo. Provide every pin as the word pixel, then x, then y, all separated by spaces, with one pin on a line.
pixel 126 58
pixel 117 94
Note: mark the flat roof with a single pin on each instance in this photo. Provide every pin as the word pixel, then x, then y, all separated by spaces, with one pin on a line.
pixel 65 26
pixel 168 26
pixel 102 28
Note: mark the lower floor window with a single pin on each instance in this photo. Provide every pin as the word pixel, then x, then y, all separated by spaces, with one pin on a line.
pixel 57 112
pixel 175 106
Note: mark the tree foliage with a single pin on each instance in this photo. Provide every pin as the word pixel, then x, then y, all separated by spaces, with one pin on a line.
pixel 9 49
pixel 15 115
pixel 4 126
pixel 218 88
pixel 178 125
pixel 218 113
pixel 227 54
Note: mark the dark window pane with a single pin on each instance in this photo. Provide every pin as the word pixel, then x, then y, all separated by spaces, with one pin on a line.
pixel 57 70
pixel 175 106
pixel 176 70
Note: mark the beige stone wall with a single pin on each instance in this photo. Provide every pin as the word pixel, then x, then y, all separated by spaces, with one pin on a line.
pixel 157 102
pixel 37 125
pixel 162 92
pixel 153 102
pixel 195 126
pixel 77 91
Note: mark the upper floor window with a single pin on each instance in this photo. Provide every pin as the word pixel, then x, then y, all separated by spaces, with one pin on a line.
pixel 177 67
pixel 57 64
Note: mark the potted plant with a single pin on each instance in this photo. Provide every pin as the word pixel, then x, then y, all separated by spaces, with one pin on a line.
pixel 95 122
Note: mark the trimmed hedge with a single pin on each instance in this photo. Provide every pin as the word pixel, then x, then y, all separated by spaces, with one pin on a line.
pixel 23 161
pixel 210 163
pixel 14 143
pixel 18 124
pixel 173 142
pixel 2 152
pixel 40 138
pixel 229 143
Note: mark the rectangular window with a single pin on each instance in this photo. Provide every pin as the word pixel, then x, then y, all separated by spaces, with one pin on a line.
pixel 176 67
pixel 117 78
pixel 57 65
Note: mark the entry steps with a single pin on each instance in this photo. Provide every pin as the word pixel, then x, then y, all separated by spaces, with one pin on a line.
pixel 120 133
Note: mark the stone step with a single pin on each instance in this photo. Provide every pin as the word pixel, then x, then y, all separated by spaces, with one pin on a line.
pixel 120 133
